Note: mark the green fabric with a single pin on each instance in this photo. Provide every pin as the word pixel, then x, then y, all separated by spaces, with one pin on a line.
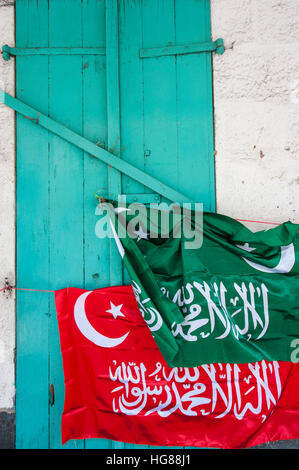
pixel 209 305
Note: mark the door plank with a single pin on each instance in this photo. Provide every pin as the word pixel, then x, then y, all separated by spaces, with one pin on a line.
pixel 195 104
pixel 113 123
pixel 114 137
pixel 32 400
pixel 66 187
pixel 160 107
pixel 131 91
pixel 96 251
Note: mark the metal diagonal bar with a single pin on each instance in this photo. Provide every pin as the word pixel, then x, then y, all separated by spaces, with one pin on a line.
pixel 8 51
pixel 215 46
pixel 91 148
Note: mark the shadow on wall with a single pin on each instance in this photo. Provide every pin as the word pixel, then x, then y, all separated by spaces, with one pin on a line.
pixel 7 430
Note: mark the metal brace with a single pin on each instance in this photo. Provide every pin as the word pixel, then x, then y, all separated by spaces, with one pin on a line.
pixel 212 46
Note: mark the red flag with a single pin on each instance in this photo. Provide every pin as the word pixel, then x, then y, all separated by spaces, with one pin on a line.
pixel 118 386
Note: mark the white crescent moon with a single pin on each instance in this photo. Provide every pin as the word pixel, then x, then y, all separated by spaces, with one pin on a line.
pixel 286 263
pixel 88 330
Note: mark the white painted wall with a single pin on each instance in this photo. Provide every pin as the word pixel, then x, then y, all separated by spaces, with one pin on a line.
pixel 7 218
pixel 256 98
pixel 256 93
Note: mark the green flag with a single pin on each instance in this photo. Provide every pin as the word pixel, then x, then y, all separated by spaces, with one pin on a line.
pixel 230 296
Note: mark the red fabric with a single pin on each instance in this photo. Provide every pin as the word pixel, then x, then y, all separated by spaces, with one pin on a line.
pixel 128 393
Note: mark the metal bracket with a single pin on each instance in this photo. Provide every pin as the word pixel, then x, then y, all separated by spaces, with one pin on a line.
pixel 8 51
pixel 146 198
pixel 89 147
pixel 212 46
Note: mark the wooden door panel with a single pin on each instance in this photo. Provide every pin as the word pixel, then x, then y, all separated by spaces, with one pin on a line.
pixel 166 102
pixel 32 351
pixel 166 129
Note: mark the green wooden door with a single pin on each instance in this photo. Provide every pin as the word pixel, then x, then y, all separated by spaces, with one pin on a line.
pixel 100 69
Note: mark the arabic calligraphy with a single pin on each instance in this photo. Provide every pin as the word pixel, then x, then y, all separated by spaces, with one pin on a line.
pixel 209 310
pixel 150 314
pixel 214 389
pixel 212 309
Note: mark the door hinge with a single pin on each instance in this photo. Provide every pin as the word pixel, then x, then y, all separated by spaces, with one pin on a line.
pixel 211 46
pixel 8 51
pixel 51 395
pixel 146 198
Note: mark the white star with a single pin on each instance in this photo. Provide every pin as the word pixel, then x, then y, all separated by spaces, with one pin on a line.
pixel 246 247
pixel 141 234
pixel 115 310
